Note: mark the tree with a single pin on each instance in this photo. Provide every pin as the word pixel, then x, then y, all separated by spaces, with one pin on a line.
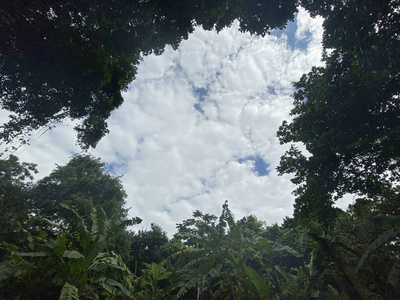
pixel 218 252
pixel 347 112
pixel 82 183
pixel 145 246
pixel 72 59
pixel 15 183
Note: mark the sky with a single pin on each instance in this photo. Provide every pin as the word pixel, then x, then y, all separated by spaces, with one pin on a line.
pixel 198 126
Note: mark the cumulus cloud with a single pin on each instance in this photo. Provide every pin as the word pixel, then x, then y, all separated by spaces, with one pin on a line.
pixel 192 120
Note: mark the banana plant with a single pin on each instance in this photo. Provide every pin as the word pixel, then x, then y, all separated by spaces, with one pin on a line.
pixel 214 262
pixel 156 282
pixel 383 246
pixel 72 263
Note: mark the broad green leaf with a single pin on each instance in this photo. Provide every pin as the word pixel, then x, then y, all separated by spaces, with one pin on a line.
pixel 69 292
pixel 279 248
pixel 229 217
pixel 79 225
pixel 60 245
pixel 7 269
pixel 264 244
pixel 32 254
pixel 116 227
pixel 210 261
pixel 92 252
pixel 108 282
pixel 99 228
pixel 154 272
pixel 383 238
pixel 394 276
pixel 346 242
pixel 286 275
pixel 193 282
pixel 310 266
pixel 9 247
pixel 72 254
pixel 376 223
pixel 263 289
pixel 333 291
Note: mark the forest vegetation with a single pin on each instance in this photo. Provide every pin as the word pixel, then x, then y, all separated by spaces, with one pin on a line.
pixel 66 236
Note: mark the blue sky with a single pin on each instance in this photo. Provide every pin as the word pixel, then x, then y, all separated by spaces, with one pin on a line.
pixel 260 167
pixel 198 126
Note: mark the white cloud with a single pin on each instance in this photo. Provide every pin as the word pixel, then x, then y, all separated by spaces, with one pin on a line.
pixel 176 158
pixel 307 25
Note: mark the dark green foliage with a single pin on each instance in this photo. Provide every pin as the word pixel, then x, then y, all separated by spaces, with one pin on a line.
pixel 302 262
pixel 263 289
pixel 347 113
pixel 72 59
pixel 218 253
pixel 356 257
pixel 82 183
pixel 75 261
pixel 146 245
pixel 15 183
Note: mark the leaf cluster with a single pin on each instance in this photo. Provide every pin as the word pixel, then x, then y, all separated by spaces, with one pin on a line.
pixel 73 59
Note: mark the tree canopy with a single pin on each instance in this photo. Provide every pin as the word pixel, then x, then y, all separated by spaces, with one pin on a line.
pixel 210 257
pixel 64 236
pixel 15 184
pixel 72 59
pixel 82 183
pixel 347 112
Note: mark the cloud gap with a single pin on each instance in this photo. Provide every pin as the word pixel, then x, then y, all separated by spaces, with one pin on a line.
pixel 260 169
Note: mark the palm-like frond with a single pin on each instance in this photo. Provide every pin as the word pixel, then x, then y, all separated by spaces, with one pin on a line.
pixel 69 292
pixel 385 237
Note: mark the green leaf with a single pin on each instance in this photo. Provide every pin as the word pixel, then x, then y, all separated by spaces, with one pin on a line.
pixel 60 245
pixel 79 225
pixel 107 283
pixel 32 254
pixel 346 242
pixel 119 226
pixel 72 254
pixel 9 247
pixel 92 252
pixel 377 223
pixel 288 277
pixel 228 216
pixel 279 248
pixel 69 292
pixel 210 261
pixel 192 283
pixel 99 228
pixel 154 272
pixel 394 276
pixel 263 244
pixel 7 269
pixel 310 266
pixel 263 289
pixel 385 237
